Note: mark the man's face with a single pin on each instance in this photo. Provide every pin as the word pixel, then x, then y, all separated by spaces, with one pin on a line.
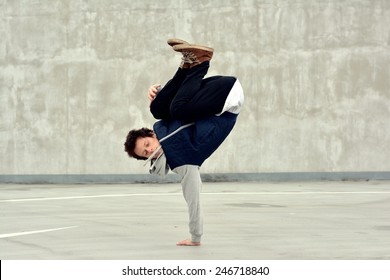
pixel 145 146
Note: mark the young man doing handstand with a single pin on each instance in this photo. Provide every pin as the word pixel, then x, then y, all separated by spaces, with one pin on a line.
pixel 195 116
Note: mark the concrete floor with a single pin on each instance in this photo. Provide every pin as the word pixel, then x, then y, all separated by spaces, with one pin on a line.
pixel 251 220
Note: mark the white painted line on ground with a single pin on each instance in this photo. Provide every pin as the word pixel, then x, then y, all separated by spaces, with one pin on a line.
pixel 174 194
pixel 87 196
pixel 33 232
pixel 291 193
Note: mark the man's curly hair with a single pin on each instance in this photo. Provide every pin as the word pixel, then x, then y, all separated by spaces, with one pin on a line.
pixel 132 138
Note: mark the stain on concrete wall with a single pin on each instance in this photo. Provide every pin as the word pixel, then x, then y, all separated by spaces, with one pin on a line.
pixel 316 74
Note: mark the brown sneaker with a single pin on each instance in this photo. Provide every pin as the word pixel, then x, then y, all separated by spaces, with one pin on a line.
pixel 173 42
pixel 185 62
pixel 194 54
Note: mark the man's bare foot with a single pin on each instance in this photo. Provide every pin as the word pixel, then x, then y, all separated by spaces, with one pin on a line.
pixel 187 242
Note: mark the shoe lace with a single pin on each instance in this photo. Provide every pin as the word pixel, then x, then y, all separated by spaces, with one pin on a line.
pixel 189 57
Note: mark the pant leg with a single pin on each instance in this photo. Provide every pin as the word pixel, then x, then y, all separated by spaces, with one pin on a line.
pixel 160 106
pixel 191 185
pixel 198 97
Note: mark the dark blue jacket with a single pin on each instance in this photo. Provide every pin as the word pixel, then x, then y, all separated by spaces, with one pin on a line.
pixel 194 144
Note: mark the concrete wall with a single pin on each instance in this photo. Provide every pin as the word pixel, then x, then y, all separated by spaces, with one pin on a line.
pixel 74 76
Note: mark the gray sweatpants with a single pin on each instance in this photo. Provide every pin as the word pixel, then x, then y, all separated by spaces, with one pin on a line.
pixel 192 184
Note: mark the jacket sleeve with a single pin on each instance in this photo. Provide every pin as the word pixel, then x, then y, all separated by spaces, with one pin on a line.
pixel 192 185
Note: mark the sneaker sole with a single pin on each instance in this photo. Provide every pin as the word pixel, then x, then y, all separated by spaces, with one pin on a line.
pixel 173 42
pixel 183 47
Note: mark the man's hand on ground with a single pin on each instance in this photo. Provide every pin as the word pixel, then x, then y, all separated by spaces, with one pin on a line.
pixel 187 242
